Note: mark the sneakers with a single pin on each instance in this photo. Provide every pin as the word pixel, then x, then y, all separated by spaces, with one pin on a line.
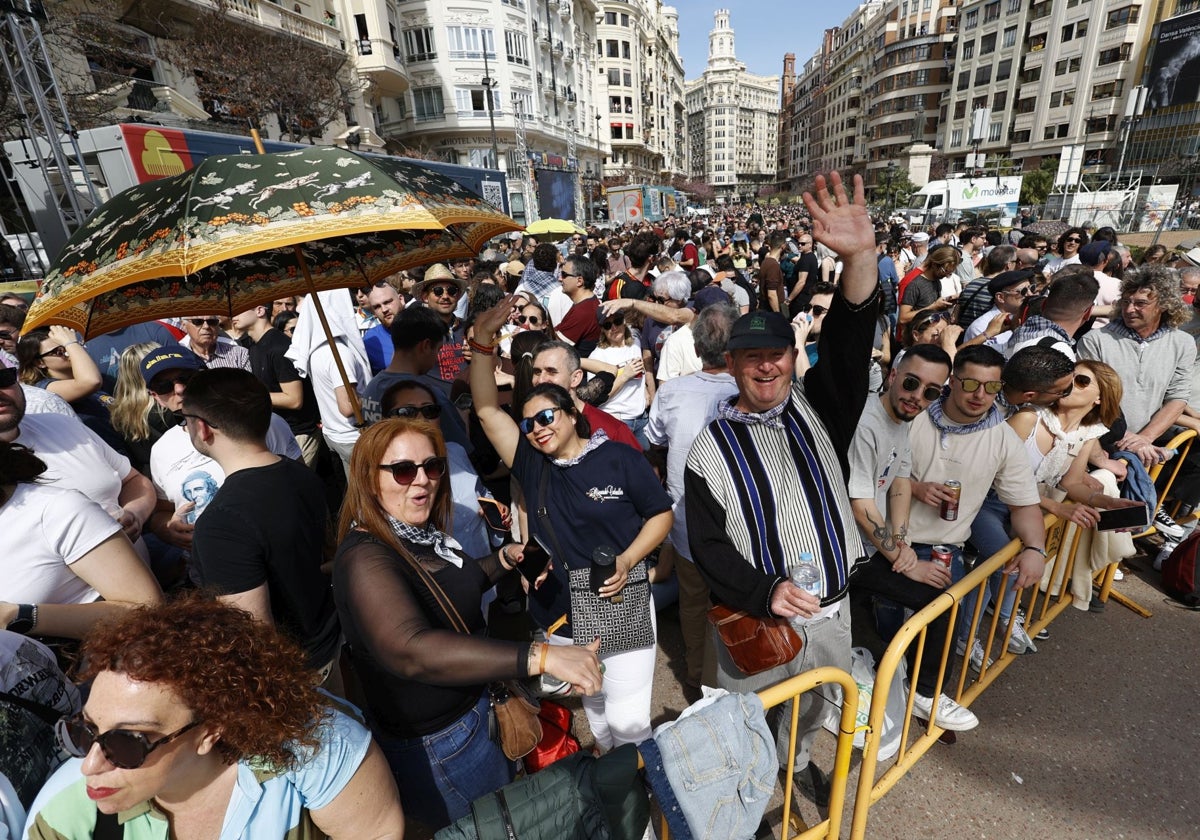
pixel 1118 574
pixel 1020 642
pixel 1167 526
pixel 976 654
pixel 1165 552
pixel 950 715
pixel 814 784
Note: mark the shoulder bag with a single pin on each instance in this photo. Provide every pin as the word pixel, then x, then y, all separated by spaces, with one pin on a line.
pixel 622 622
pixel 516 716
pixel 755 644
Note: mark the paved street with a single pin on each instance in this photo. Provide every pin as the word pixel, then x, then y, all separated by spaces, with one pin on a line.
pixel 1101 725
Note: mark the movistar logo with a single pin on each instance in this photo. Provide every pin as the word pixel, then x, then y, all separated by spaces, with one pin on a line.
pixel 970 192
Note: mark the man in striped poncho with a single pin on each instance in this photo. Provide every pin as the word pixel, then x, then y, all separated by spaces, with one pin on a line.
pixel 766 481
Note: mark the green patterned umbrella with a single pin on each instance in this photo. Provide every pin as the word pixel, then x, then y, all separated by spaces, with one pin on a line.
pixel 238 231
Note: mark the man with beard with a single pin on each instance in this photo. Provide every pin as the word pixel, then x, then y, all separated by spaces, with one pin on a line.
pixel 880 460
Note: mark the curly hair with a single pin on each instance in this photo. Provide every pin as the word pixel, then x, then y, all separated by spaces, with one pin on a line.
pixel 232 671
pixel 1163 283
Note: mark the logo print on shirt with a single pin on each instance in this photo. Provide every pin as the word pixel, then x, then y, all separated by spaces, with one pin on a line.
pixel 606 494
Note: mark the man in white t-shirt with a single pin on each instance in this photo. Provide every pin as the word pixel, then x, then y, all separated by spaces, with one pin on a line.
pixel 76 458
pixel 184 480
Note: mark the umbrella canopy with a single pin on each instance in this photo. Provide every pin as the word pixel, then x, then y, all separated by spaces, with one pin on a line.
pixel 554 229
pixel 238 231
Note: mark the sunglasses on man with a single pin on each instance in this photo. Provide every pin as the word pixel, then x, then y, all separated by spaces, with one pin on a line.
pixel 428 412
pixel 972 385
pixel 444 291
pixel 911 383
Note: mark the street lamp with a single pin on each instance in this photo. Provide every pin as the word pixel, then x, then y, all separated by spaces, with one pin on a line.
pixel 891 184
pixel 488 84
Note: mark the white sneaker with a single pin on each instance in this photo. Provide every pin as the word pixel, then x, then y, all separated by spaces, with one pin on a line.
pixel 1167 526
pixel 976 654
pixel 950 715
pixel 1118 575
pixel 1020 642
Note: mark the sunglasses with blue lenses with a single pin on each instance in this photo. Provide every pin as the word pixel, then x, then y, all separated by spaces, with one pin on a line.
pixel 543 418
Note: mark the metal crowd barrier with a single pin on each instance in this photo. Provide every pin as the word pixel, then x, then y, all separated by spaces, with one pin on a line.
pixel 791 689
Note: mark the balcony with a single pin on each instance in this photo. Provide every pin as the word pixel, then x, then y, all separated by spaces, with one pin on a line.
pixel 271 16
pixel 564 9
pixel 569 56
pixel 558 47
pixel 383 63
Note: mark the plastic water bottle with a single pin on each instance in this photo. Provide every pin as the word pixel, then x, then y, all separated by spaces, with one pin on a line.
pixel 807 576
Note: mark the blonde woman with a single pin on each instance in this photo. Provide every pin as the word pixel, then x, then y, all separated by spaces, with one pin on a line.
pixel 136 416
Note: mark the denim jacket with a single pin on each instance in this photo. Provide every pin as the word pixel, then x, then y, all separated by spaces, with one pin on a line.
pixel 720 761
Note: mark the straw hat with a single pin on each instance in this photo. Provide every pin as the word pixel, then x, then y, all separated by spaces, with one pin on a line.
pixel 437 273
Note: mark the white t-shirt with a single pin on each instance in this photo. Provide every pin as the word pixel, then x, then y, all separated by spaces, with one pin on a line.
pixel 43 530
pixel 557 306
pixel 181 474
pixel 75 457
pixel 323 372
pixel 678 356
pixel 629 401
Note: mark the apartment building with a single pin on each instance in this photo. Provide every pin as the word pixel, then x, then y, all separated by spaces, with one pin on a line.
pixel 641 111
pixel 732 121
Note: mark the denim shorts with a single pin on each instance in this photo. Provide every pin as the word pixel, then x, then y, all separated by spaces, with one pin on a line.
pixel 439 775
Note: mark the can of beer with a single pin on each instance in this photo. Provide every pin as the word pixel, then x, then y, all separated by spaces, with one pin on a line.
pixel 950 506
pixel 943 554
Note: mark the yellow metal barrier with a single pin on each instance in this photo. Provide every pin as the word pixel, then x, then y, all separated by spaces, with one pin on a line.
pixel 791 689
pixel 1041 608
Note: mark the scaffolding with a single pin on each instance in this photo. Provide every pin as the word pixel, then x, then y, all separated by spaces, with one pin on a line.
pixel 530 189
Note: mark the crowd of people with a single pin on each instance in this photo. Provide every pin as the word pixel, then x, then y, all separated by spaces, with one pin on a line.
pixel 247 521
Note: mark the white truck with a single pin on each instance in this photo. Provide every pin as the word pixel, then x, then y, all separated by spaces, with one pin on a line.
pixel 989 198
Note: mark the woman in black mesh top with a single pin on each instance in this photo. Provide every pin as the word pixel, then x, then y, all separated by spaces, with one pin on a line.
pixel 425 684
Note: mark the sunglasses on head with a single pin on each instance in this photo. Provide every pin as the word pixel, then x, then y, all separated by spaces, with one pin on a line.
pixel 543 418
pixel 8 377
pixel 405 472
pixel 123 748
pixel 911 383
pixel 200 322
pixel 930 320
pixel 972 385
pixel 444 291
pixel 529 319
pixel 166 385
pixel 615 322
pixel 429 412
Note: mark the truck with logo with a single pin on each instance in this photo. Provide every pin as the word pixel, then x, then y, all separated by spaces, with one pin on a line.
pixel 632 204
pixel 987 198
pixel 119 156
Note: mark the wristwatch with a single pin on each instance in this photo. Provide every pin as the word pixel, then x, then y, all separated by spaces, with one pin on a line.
pixel 25 621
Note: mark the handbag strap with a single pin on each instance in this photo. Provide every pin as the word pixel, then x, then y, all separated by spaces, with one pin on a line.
pixel 45 713
pixel 435 589
pixel 543 514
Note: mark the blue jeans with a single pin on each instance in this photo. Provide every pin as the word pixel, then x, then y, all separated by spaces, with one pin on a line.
pixel 638 426
pixel 989 534
pixel 441 774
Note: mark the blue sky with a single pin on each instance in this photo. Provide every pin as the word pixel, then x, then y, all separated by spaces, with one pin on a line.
pixel 764 31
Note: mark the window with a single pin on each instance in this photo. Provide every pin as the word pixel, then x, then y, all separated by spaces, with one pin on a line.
pixel 612 48
pixel 614 104
pixel 610 18
pixel 1033 74
pixel 971 19
pixel 1037 43
pixel 983 75
pixel 964 80
pixel 1108 90
pixel 626 78
pixel 516 46
pixel 1022 136
pixel 1000 100
pixel 956 137
pixel 1114 55
pixel 921 77
pixel 624 49
pixel 1062 97
pixel 1014 6
pixel 522 102
pixel 1010 37
pixel 1081 28
pixel 1003 70
pixel 516 4
pixel 968 51
pixel 1067 65
pixel 1123 16
pixel 472 102
pixel 624 19
pixel 987 44
pixel 617 131
pixel 480 159
pixel 995 130
pixel 427 103
pixel 470 42
pixel 418 44
pixel 960 109
pixel 614 78
pixel 991 11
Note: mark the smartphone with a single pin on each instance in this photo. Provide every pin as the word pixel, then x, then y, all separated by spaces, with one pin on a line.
pixel 1127 518
pixel 492 513
pixel 534 562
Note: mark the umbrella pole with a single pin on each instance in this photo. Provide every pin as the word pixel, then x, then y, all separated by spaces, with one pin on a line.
pixel 351 394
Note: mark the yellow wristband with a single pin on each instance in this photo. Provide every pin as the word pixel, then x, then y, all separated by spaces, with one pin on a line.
pixel 542 661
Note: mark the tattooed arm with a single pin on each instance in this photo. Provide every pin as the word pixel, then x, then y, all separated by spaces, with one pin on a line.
pixel 888 534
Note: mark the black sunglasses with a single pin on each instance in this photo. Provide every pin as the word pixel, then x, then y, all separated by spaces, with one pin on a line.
pixel 972 385
pixel 8 377
pixel 543 418
pixel 7 335
pixel 200 322
pixel 911 383
pixel 166 385
pixel 615 322
pixel 444 291
pixel 59 351
pixel 405 472
pixel 531 319
pixel 1072 239
pixel 124 749
pixel 818 311
pixel 429 412
pixel 183 418
pixel 1082 380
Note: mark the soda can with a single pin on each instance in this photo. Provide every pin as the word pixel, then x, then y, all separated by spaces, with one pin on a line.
pixel 943 554
pixel 950 506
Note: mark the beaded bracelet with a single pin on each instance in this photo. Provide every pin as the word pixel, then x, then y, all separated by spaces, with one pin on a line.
pixel 482 349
